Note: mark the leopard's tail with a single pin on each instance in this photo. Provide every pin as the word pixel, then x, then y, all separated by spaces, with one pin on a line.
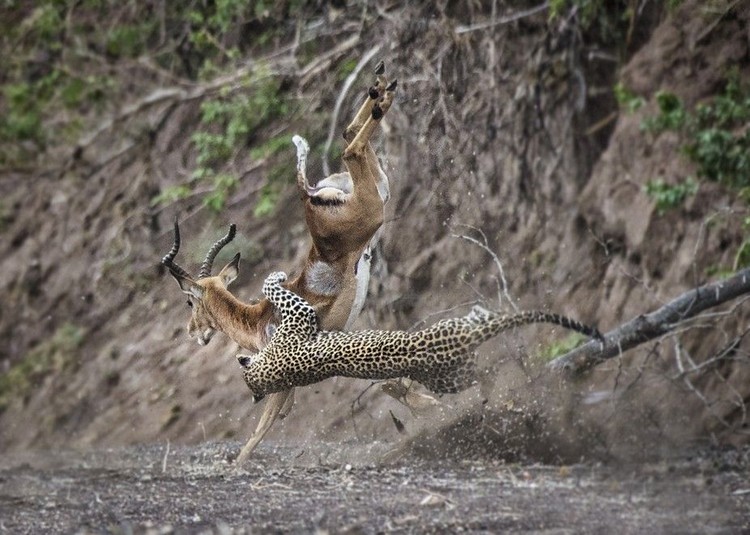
pixel 450 366
pixel 497 323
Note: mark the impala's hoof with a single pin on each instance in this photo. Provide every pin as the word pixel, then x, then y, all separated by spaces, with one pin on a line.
pixel 392 86
pixel 380 68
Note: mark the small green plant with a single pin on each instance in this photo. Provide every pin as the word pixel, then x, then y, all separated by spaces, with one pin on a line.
pixel 345 68
pixel 719 272
pixel 722 156
pixel 271 147
pixel 588 8
pixel 269 196
pixel 720 139
pixel 171 194
pixel 222 185
pixel 669 196
pixel 277 177
pixel 559 348
pixel 129 40
pixel 671 116
pixel 627 100
pixel 742 258
pixel 608 21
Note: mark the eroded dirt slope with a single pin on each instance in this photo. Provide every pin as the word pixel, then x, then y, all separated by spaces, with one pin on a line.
pixel 506 129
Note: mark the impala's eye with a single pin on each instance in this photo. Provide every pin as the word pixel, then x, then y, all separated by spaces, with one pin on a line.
pixel 190 303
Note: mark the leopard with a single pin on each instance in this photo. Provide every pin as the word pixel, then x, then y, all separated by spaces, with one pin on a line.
pixel 442 357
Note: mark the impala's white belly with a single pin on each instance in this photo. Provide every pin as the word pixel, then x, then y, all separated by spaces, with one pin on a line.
pixel 362 278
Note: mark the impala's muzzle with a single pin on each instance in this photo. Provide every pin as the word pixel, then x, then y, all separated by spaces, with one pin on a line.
pixel 204 337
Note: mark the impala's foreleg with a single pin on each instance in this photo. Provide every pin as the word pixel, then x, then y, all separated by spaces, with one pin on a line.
pixel 278 405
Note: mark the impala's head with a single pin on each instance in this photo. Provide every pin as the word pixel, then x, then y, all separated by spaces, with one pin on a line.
pixel 201 289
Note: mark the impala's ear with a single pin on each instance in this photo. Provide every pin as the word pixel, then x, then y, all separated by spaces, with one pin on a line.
pixel 187 285
pixel 230 271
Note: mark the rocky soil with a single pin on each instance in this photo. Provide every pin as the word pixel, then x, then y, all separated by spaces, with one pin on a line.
pixel 161 490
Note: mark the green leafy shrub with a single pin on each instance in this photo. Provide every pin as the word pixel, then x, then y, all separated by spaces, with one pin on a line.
pixel 672 114
pixel 228 124
pixel 129 40
pixel 742 258
pixel 60 58
pixel 716 136
pixel 266 204
pixel 668 196
pixel 608 21
pixel 277 178
pixel 271 147
pixel 561 347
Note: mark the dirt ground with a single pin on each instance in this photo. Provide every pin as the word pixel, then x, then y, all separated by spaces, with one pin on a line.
pixel 327 488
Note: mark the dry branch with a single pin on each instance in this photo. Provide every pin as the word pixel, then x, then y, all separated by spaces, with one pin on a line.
pixel 502 20
pixel 657 323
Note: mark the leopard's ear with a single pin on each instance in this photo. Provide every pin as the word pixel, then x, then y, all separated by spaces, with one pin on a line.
pixel 246 360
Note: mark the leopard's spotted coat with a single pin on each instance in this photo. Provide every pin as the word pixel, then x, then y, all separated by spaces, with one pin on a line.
pixel 441 357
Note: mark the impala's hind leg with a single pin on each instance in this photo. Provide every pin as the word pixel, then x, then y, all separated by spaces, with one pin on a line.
pixel 359 144
pixel 365 110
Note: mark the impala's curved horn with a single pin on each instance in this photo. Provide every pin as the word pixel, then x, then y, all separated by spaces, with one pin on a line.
pixel 168 260
pixel 209 261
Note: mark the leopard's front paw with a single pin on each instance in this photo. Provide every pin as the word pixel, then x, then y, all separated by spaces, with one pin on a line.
pixel 277 277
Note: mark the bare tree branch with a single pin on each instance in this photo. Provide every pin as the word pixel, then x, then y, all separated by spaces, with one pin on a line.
pixel 502 282
pixel 647 327
pixel 502 20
